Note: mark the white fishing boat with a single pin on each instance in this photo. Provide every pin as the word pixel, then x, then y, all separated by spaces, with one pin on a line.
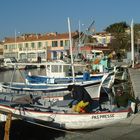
pixel 57 113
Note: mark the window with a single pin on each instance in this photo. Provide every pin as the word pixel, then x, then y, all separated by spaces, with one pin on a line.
pixel 20 47
pixel 103 40
pixel 46 44
pixel 39 44
pixel 42 55
pixel 54 55
pixel 66 42
pixel 56 68
pixel 33 45
pixel 54 43
pixel 61 43
pixel 11 47
pixel 5 47
pixel 26 45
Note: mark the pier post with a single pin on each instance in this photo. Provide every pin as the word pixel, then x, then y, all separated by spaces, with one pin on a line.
pixel 7 126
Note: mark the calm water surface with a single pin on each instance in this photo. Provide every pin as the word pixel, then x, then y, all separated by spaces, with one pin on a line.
pixel 18 75
pixel 25 131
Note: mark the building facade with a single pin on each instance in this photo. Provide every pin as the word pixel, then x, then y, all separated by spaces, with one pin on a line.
pixel 98 41
pixel 50 46
pixel 1 49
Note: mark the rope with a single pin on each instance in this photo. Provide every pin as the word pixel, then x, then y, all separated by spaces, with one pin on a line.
pixel 58 129
pixel 52 116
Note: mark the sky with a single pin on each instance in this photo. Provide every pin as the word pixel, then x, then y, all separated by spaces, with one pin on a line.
pixel 44 16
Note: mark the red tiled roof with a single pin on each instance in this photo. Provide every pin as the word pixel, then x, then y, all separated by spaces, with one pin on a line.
pixel 37 37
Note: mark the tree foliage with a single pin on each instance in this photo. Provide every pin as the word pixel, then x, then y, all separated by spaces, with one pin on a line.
pixel 121 35
pixel 136 32
pixel 117 28
pixel 121 38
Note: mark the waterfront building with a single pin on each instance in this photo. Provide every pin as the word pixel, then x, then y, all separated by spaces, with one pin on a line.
pixel 97 41
pixel 103 38
pixel 50 46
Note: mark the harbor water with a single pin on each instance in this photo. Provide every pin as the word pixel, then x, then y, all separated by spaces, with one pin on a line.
pixel 21 130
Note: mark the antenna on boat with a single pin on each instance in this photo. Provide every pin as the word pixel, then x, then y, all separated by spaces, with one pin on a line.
pixel 70 43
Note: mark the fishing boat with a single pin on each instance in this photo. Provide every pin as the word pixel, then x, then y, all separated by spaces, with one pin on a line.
pixel 62 73
pixel 58 114
pixel 92 86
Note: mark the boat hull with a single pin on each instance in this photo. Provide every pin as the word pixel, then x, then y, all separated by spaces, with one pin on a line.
pixel 68 120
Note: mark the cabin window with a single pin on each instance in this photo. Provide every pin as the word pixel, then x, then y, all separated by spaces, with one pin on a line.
pixel 56 68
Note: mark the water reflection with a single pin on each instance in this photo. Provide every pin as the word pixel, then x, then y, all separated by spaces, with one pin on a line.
pixel 21 130
pixel 18 75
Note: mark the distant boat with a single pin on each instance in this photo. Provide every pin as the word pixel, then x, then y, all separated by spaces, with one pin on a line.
pixel 12 63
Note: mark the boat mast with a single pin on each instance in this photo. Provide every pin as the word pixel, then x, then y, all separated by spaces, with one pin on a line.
pixel 79 45
pixel 132 43
pixel 70 40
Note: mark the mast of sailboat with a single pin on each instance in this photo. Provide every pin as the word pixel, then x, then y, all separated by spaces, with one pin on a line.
pixel 70 43
pixel 132 43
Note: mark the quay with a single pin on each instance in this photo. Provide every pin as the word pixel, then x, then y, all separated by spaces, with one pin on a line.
pixel 128 129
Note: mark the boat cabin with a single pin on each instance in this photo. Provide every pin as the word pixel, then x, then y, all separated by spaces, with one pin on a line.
pixel 95 54
pixel 56 70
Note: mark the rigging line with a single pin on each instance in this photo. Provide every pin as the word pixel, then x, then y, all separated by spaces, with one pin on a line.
pixel 13 74
pixel 62 130
pixel 23 78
